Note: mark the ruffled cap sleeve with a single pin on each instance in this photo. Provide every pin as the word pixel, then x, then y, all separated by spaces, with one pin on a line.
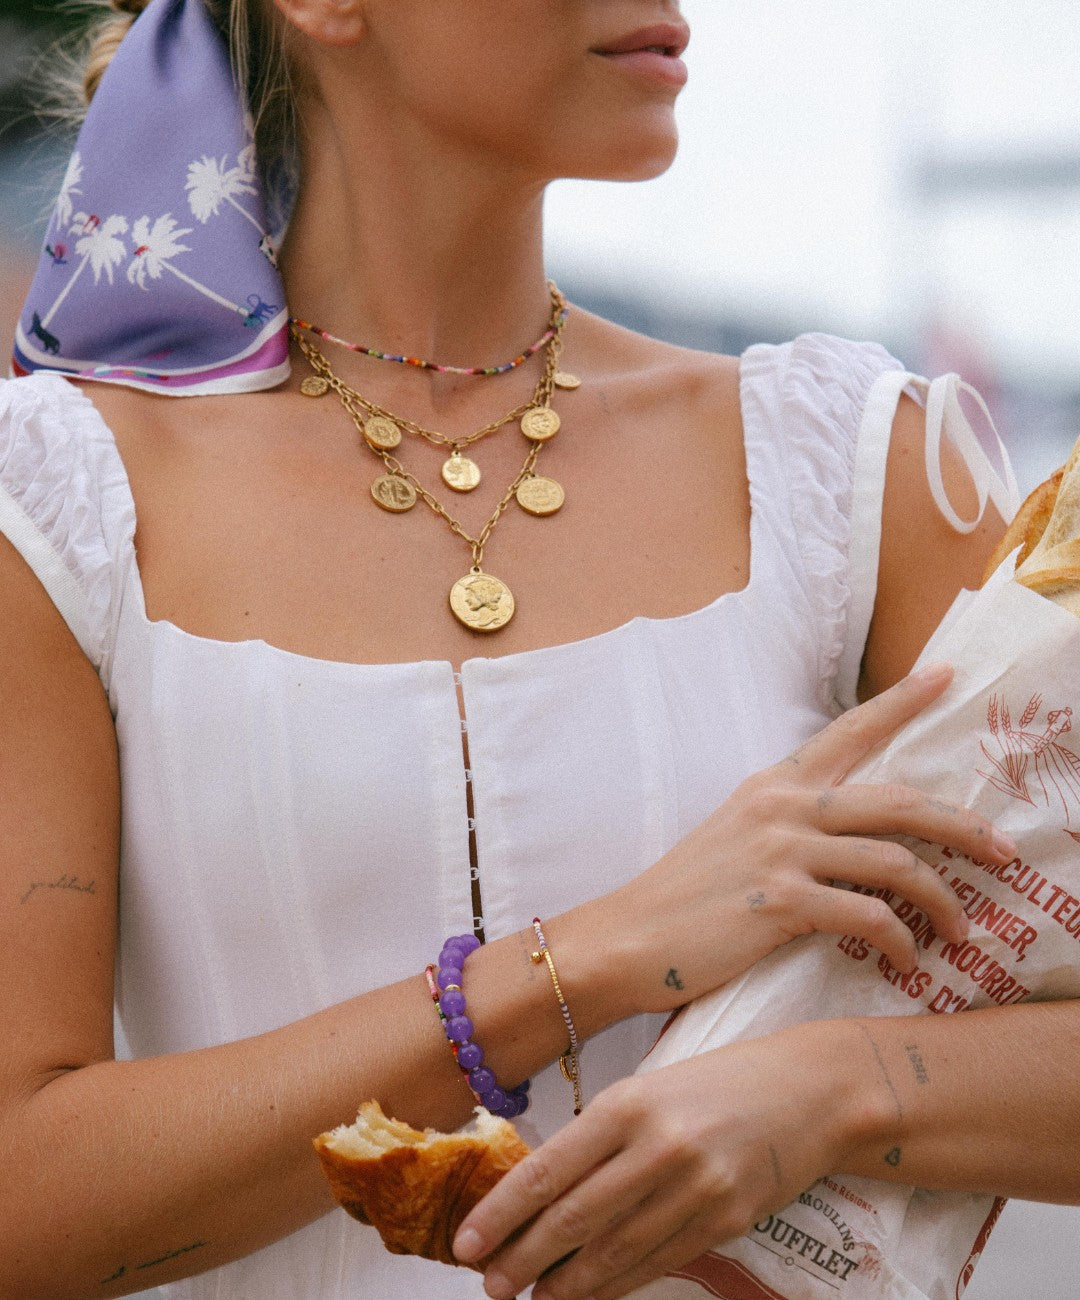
pixel 66 506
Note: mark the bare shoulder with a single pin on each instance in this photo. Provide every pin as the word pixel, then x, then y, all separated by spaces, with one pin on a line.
pixel 658 373
pixel 148 424
pixel 925 563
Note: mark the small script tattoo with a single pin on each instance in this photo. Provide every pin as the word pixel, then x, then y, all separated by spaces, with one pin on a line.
pixel 672 980
pixel 756 900
pixel 893 1157
pixel 70 884
pixel 917 1063
pixel 123 1270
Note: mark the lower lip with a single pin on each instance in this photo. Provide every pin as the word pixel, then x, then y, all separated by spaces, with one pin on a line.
pixel 647 63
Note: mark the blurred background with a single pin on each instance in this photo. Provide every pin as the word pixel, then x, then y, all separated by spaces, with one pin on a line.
pixel 908 173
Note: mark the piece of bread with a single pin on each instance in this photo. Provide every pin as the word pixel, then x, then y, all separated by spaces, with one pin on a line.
pixel 416 1187
pixel 1047 530
pixel 1028 526
pixel 1052 567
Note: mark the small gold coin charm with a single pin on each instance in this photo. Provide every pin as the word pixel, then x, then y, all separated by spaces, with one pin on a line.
pixel 540 496
pixel 315 386
pixel 461 473
pixel 394 493
pixel 482 602
pixel 564 379
pixel 382 433
pixel 540 423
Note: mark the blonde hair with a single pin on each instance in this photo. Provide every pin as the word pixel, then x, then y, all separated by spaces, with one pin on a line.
pixel 259 59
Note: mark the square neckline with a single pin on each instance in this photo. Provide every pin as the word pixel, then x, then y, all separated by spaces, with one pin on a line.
pixel 134 583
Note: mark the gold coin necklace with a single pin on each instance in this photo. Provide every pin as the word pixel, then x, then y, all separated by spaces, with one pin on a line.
pixel 383 430
pixel 479 600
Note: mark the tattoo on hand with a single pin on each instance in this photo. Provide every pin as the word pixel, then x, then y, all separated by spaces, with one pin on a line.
pixel 893 1157
pixel 672 980
pixel 153 1263
pixel 70 884
pixel 917 1063
pixel 756 900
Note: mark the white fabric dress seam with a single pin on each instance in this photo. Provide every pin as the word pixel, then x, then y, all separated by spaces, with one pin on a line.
pixel 867 500
pixel 59 582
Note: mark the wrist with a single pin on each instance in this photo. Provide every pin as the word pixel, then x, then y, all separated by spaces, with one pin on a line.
pixel 596 965
pixel 861 1112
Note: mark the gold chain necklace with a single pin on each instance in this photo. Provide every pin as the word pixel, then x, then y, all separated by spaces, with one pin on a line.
pixel 479 600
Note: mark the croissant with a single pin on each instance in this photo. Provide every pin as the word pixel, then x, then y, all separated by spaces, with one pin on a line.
pixel 414 1186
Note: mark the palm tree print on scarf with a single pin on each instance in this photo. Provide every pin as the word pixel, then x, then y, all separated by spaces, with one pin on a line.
pixel 155 248
pixel 100 247
pixel 1033 766
pixel 210 184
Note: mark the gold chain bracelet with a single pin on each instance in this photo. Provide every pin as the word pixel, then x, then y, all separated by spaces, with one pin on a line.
pixel 570 1060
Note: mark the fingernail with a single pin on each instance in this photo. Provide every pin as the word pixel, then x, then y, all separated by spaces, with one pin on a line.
pixel 963 928
pixel 1005 845
pixel 468 1245
pixel 499 1287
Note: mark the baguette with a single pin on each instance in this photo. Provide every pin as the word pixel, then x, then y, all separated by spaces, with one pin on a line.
pixel 1047 530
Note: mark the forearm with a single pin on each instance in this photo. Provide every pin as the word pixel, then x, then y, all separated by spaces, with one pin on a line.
pixel 156 1169
pixel 983 1100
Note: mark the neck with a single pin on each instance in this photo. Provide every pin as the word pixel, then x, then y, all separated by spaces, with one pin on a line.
pixel 411 251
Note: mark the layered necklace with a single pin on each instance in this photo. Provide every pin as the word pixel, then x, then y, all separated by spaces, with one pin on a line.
pixel 479 600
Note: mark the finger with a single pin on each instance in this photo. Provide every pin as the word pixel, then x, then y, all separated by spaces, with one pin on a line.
pixel 570 1228
pixel 624 1244
pixel 845 912
pixel 883 864
pixel 900 810
pixel 538 1180
pixel 832 753
pixel 685 1246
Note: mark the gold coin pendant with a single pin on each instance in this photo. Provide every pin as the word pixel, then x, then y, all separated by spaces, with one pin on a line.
pixel 564 379
pixel 315 386
pixel 382 433
pixel 461 473
pixel 482 602
pixel 540 496
pixel 394 493
pixel 540 423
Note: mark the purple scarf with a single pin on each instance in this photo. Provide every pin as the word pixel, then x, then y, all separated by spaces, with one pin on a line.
pixel 158 270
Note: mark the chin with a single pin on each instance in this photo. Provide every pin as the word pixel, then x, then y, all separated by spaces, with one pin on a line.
pixel 638 154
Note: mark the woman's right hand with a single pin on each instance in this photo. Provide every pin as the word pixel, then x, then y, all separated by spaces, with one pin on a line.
pixel 760 870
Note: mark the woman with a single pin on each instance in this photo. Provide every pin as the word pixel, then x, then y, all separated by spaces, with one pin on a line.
pixel 230 683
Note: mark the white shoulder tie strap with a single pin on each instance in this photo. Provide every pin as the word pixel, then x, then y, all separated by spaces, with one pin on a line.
pixel 944 417
pixel 997 484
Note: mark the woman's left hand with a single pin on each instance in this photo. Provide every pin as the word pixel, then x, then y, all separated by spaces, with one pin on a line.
pixel 662 1166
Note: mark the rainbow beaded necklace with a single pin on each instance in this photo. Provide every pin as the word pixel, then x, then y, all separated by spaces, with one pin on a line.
pixel 559 312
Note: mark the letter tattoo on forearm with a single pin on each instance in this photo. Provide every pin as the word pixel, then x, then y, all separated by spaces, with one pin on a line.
pixel 69 884
pixel 673 981
pixel 917 1064
pixel 123 1270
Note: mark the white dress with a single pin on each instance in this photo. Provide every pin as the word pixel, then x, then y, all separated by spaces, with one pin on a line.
pixel 295 830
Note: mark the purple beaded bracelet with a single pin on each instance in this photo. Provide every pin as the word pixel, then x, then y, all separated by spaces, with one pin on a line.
pixel 446 992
